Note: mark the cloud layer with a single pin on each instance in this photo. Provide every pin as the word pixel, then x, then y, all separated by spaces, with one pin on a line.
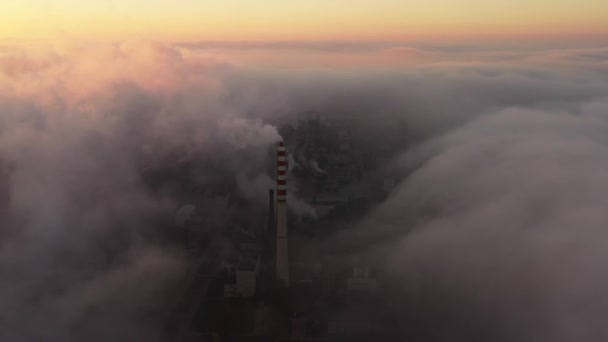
pixel 80 129
pixel 506 226
pixel 497 234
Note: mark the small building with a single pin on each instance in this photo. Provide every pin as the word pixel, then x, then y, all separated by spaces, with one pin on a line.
pixel 361 279
pixel 323 210
pixel 243 282
pixel 389 184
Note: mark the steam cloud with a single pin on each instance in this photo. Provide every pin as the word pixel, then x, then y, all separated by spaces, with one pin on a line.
pixel 497 234
pixel 506 226
pixel 81 254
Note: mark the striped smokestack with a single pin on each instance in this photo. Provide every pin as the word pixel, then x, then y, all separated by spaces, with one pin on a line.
pixel 282 256
pixel 281 173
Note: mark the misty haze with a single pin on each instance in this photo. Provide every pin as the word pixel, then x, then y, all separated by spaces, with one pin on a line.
pixel 166 185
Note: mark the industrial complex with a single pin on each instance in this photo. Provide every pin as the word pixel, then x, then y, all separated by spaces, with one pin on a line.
pixel 274 279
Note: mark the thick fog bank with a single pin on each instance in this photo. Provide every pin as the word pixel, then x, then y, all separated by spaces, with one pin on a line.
pixel 497 234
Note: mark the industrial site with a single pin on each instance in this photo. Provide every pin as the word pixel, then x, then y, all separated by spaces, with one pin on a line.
pixel 273 279
pixel 303 171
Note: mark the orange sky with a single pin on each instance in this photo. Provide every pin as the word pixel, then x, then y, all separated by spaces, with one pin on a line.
pixel 183 20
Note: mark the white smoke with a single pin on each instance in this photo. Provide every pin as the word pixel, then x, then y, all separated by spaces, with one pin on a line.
pixel 315 166
pixel 300 208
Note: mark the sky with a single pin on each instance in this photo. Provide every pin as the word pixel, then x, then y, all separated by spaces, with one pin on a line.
pixel 191 20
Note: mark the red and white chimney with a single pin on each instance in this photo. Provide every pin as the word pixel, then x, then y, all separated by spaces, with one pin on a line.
pixel 282 255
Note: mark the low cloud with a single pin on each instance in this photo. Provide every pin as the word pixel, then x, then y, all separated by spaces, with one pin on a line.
pixel 502 221
pixel 496 234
